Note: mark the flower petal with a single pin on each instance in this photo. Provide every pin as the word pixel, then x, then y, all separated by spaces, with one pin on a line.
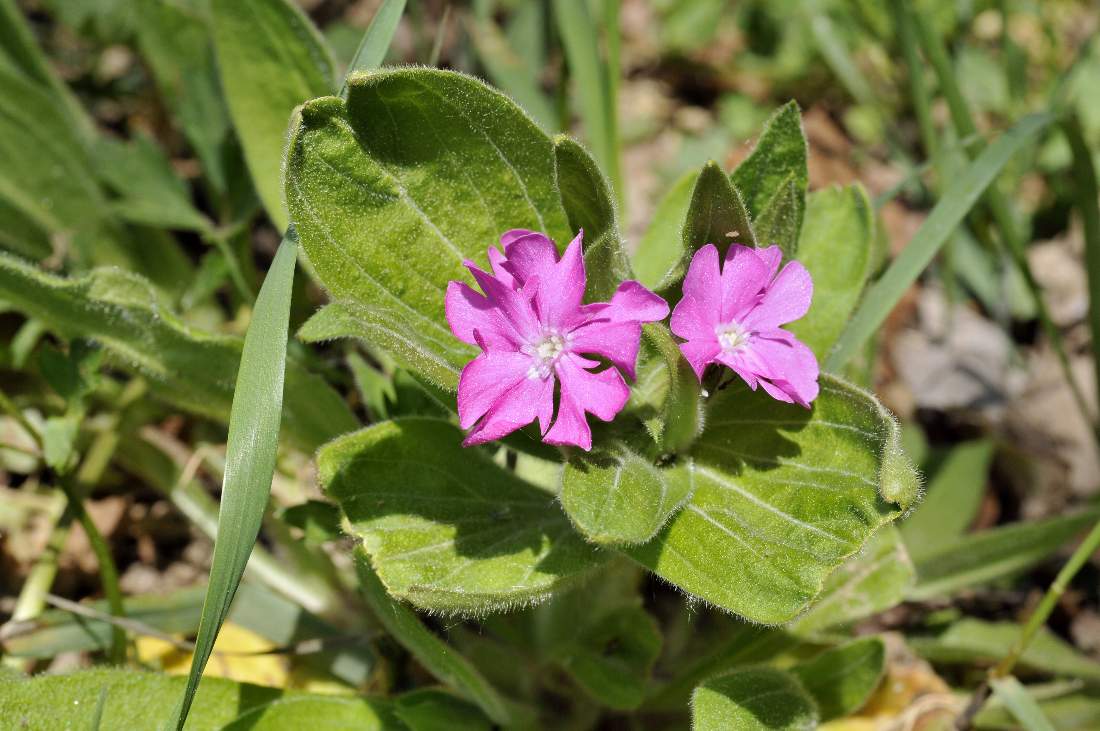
pixel 499 262
pixel 700 352
pixel 530 399
pixel 613 329
pixel 469 311
pixel 485 380
pixel 528 253
pixel 789 365
pixel 703 281
pixel 771 256
pixel 785 300
pixel 692 320
pixel 602 394
pixel 562 289
pixel 513 305
pixel 744 277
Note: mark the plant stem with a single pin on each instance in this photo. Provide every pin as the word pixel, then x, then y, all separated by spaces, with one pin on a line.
pixel 108 574
pixel 13 411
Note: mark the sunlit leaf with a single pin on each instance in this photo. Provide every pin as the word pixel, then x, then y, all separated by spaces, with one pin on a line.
pixel 841 679
pixel 758 699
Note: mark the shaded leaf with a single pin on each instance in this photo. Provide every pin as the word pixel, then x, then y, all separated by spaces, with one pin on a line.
pixel 757 699
pixel 783 496
pixel 875 579
pixel 190 368
pixel 428 709
pixel 661 248
pixel 612 658
pixel 616 495
pixel 271 59
pixel 835 246
pixel 681 414
pixel 445 527
pixel 977 558
pixel 841 680
pixel 420 170
pixel 781 220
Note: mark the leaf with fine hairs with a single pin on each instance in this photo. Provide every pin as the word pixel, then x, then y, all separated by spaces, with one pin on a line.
pixel 755 699
pixel 777 160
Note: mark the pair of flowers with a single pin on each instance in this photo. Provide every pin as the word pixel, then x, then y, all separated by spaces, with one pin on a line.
pixel 537 338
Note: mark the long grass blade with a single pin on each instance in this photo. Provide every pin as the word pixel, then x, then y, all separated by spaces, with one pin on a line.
pixel 250 456
pixel 1021 704
pixel 376 41
pixel 957 201
pixel 593 76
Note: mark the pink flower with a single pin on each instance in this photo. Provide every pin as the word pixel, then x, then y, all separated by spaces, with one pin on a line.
pixel 733 315
pixel 535 334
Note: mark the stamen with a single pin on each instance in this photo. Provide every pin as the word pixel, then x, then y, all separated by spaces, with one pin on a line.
pixel 731 336
pixel 545 351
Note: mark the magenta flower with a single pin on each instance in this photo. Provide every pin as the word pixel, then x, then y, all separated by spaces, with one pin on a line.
pixel 535 334
pixel 732 315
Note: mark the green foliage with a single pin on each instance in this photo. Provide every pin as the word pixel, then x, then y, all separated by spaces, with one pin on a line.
pixel 387 221
pixel 1023 706
pixel 660 249
pixel 446 528
pixel 758 699
pixel 189 368
pixel 612 658
pixel 841 679
pixel 616 495
pixel 835 246
pixel 254 421
pixel 782 497
pixel 773 179
pixel 716 215
pixel 270 59
pixel 982 557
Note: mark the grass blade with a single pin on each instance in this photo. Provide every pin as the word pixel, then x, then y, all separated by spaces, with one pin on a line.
pixel 1087 192
pixel 1021 704
pixel 376 41
pixel 956 202
pixel 250 456
pixel 594 81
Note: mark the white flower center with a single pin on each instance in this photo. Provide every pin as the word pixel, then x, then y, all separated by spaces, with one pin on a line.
pixel 731 336
pixel 545 351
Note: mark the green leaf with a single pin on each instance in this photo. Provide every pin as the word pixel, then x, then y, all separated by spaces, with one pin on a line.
pixel 777 161
pixel 174 40
pixel 783 495
pixel 843 678
pixel 1025 708
pixel 428 709
pixel 661 248
pixel 271 59
pixel 970 641
pixel 189 368
pixel 873 580
pixel 308 711
pixel 681 414
pixel 376 41
pixel 612 659
pixel 616 495
pixel 955 203
pixel 588 204
pixel 781 220
pixel 134 700
pixel 254 421
pixel 835 246
pixel 757 699
pixel 437 657
pixel 1067 705
pixel 375 387
pixel 420 170
pixel 318 520
pixel 445 527
pixel 716 215
pixel 150 192
pixel 979 558
pixel 951 500
pixel 58 440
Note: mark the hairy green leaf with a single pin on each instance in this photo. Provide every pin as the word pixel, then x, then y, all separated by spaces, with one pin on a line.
pixel 616 494
pixel 757 699
pixel 875 579
pixel 420 170
pixel 951 501
pixel 782 497
pixel 308 711
pixel 192 369
pixel 841 680
pixel 445 527
pixel 978 558
pixel 781 220
pixel 271 59
pixel 835 246
pixel 777 161
pixel 428 709
pixel 661 247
